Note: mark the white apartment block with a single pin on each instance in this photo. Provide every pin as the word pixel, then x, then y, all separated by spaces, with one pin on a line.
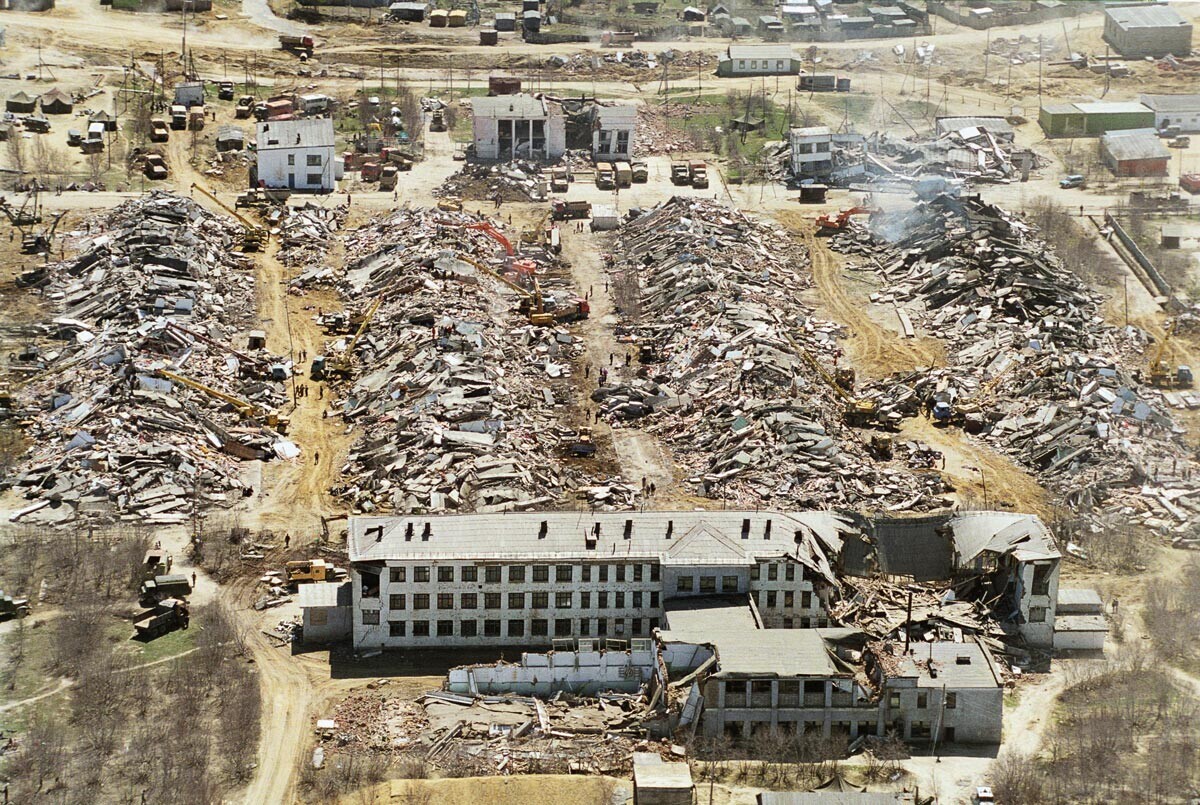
pixel 298 155
pixel 525 579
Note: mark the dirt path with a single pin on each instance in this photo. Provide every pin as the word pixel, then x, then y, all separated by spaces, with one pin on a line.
pixel 873 350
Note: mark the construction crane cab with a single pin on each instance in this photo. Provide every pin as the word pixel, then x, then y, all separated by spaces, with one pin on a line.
pixel 254 237
pixel 1162 376
pixel 845 377
pixel 827 225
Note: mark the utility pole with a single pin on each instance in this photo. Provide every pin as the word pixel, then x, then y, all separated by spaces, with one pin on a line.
pixel 987 50
pixel 1040 57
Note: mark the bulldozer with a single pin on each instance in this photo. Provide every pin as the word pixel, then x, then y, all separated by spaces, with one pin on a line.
pixel 881 446
pixel 582 446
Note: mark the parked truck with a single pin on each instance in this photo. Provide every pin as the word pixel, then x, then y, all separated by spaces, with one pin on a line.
pixel 308 570
pixel 699 172
pixel 196 117
pixel 159 132
pixel 166 616
pixel 11 607
pixel 605 176
pixel 641 173
pixel 680 175
pixel 160 588
pixel 624 174
pixel 437 120
pixel 300 45
pixel 156 562
pixel 155 167
pixel 559 181
pixel 388 175
pixel 565 210
pixel 245 106
pixel 179 117
pixel 225 91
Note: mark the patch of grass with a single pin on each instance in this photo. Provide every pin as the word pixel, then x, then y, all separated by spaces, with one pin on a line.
pixel 169 645
pixel 32 641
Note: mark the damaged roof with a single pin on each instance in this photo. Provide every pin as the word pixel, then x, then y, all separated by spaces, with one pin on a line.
pixel 1134 145
pixel 955 665
pixel 509 106
pixel 1025 536
pixel 762 652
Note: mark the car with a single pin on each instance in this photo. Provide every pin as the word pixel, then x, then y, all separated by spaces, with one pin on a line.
pixel 983 795
pixel 1074 180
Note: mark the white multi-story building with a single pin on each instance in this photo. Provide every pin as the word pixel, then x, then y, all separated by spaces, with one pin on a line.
pixel 298 155
pixel 612 132
pixel 511 126
pixel 525 579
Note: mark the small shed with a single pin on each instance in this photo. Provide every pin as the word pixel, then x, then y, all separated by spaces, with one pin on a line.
pixel 1172 236
pixel 408 12
pixel 505 21
pixel 189 93
pixel 693 14
pixel 21 103
pixel 326 611
pixel 1138 152
pixel 489 36
pixel 457 18
pixel 230 138
pixel 108 119
pixel 532 21
pixel 658 783
pixel 439 18
pixel 604 217
pixel 57 102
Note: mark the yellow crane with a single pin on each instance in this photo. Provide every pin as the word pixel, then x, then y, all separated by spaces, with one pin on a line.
pixel 533 303
pixel 244 408
pixel 1161 375
pixel 860 411
pixel 342 364
pixel 254 237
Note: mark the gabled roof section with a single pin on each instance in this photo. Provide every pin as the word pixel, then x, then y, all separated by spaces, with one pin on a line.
pixel 1023 535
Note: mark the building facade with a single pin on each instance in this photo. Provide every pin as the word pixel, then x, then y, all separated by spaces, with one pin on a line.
pixel 298 155
pixel 818 153
pixel 517 126
pixel 1174 110
pixel 758 60
pixel 1135 153
pixel 1144 30
pixel 526 579
pixel 1094 118
pixel 613 132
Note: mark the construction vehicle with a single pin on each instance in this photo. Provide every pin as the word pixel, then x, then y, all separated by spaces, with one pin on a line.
pixel 196 116
pixel 680 175
pixel 450 205
pixel 492 232
pixel 1182 141
pixel 309 570
pixel 160 588
pixel 179 117
pixel 570 210
pixel 698 170
pixel 437 120
pixel 641 173
pixel 300 45
pixel 30 211
pixel 254 237
pixel 39 242
pixel 605 176
pixel 244 107
pixel 624 174
pixel 261 196
pixel 11 607
pixel 156 562
pixel 881 446
pixel 159 132
pixel 859 412
pixel 559 180
pixel 154 167
pixel 225 91
pixel 845 377
pixel 1161 374
pixel 342 364
pixel 166 616
pixel 582 446
pixel 244 408
pixel 369 171
pixel 537 235
pixel 828 226
pixel 388 175
pixel 540 310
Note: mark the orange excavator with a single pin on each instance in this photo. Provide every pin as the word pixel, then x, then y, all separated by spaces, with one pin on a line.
pixel 495 234
pixel 828 226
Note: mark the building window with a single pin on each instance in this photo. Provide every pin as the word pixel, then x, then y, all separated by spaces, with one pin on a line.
pixel 620 600
pixel 922 701
pixel 585 600
pixel 313 160
pixel 562 600
pixel 653 572
pixel 314 178
pixel 468 628
pixel 396 574
pixel 420 628
pixel 603 600
pixel 445 600
pixel 421 573
pixel 541 573
pixel 470 573
pixel 708 584
pixel 397 628
pixel 516 574
pixel 370 617
pixel 515 600
pixel 894 701
pixel 601 627
pixel 772 572
pixel 637 572
pixel 603 572
pixel 468 600
pixel 684 584
pixel 1037 614
pixel 806 600
pixel 446 573
pixel 754 64
pixel 541 600
pixel 539 627
pixel 491 574
pixel 637 600
pixel 1041 579
pixel 789 572
pixel 585 627
pixel 291 159
pixel 653 624
pixel 951 700
pixel 755 572
pixel 420 601
pixel 562 627
pixel 491 600
pixel 563 573
pixel 445 628
pixel 729 584
pixel 920 730
pixel 654 599
pixel 789 599
pixel 620 572
pixel 637 626
pixel 491 628
pixel 771 599
pixel 515 628
pixel 396 601
pixel 587 572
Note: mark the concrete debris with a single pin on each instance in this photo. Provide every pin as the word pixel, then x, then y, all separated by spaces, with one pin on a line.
pixel 459 397
pixel 305 233
pixel 722 380
pixel 512 181
pixel 626 62
pixel 658 131
pixel 123 410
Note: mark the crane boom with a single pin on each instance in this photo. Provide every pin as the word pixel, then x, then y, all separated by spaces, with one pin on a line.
pixel 244 407
pixel 255 236
pixel 1161 349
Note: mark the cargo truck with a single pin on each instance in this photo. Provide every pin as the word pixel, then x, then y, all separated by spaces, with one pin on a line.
pixel 163 587
pixel 605 177
pixel 624 174
pixel 166 616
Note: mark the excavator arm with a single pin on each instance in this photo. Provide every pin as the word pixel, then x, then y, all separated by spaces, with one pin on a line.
pixel 494 233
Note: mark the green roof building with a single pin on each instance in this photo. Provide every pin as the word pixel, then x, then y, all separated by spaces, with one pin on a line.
pixel 1094 118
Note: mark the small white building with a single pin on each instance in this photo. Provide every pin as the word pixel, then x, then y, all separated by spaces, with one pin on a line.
pixel 518 126
pixel 189 94
pixel 326 611
pixel 298 155
pixel 758 60
pixel 1174 110
pixel 1079 622
pixel 817 153
pixel 613 132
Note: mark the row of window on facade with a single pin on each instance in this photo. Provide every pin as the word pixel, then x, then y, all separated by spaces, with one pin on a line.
pixel 515 627
pixel 311 160
pixel 737 730
pixel 766 64
pixel 566 600
pixel 813 148
pixel 517 574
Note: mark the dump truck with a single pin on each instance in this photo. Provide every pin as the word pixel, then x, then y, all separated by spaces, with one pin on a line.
pixel 166 616
pixel 245 106
pixel 559 181
pixel 301 45
pixel 698 170
pixel 369 172
pixel 159 131
pixel 388 175
pixel 161 587
pixel 437 120
pixel 605 176
pixel 641 173
pixel 309 570
pixel 569 210
pixel 156 562
pixel 11 607
pixel 680 174
pixel 624 174
pixel 225 91
pixel 179 117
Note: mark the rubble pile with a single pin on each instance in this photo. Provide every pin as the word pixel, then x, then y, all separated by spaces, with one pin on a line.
pixel 305 233
pixel 1033 368
pixel 658 129
pixel 631 62
pixel 971 154
pixel 730 380
pixel 156 287
pixel 517 180
pixel 458 397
